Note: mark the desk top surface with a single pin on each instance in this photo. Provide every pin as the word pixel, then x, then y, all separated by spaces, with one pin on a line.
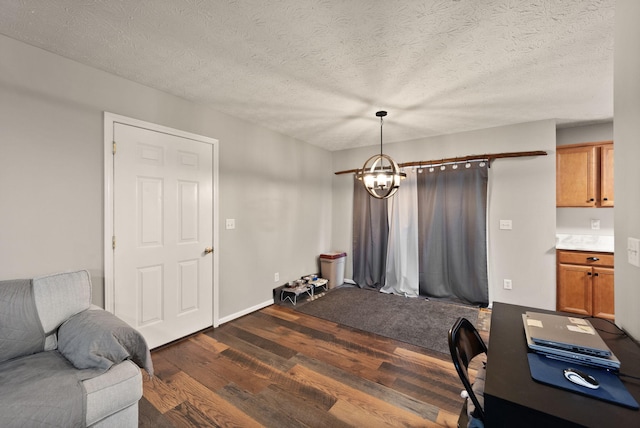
pixel 509 378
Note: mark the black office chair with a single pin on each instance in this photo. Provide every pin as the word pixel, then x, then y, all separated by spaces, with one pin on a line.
pixel 465 343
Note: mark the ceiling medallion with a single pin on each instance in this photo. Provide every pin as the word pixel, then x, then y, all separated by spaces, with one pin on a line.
pixel 380 174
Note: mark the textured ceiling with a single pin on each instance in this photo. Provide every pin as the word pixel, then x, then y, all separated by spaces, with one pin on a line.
pixel 318 70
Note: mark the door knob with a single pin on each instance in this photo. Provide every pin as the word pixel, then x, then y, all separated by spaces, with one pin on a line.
pixel 208 250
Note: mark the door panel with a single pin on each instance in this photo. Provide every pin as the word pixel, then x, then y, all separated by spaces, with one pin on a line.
pixel 606 183
pixel 574 292
pixel 576 171
pixel 163 221
pixel 603 294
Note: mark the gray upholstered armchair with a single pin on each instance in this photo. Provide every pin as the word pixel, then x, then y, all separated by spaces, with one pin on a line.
pixel 64 362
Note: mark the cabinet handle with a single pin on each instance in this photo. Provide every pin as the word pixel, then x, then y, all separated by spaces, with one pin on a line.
pixel 593 259
pixel 588 273
pixel 595 274
pixel 605 199
pixel 591 200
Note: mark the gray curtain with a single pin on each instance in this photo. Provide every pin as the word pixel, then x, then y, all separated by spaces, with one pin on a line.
pixel 370 237
pixel 452 215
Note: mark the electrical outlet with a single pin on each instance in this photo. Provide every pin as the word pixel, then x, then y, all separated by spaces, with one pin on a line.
pixel 230 223
pixel 276 277
pixel 508 285
pixel 506 225
pixel 595 224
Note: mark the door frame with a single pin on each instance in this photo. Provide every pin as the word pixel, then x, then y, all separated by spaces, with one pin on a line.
pixel 110 119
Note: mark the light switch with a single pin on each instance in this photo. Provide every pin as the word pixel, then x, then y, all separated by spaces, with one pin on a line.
pixel 633 251
pixel 505 225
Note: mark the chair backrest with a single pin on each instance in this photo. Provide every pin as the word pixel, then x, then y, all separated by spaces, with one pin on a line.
pixel 464 344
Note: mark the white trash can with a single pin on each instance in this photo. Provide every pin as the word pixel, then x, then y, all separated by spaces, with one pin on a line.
pixel 332 268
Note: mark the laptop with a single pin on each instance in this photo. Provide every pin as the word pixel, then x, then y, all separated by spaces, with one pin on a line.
pixel 565 332
pixel 611 362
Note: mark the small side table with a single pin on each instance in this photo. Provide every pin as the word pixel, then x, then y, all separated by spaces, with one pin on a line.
pixel 320 282
pixel 291 293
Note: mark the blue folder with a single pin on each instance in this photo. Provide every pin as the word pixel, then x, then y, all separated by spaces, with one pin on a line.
pixel 550 371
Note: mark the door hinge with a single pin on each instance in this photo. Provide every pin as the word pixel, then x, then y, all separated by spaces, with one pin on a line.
pixel 114 147
pixel 113 242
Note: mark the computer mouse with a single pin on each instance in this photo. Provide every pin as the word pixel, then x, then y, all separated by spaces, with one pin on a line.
pixel 581 378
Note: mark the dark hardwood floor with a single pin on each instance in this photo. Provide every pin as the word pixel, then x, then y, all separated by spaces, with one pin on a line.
pixel 280 368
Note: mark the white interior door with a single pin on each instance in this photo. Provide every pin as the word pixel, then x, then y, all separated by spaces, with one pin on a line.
pixel 163 219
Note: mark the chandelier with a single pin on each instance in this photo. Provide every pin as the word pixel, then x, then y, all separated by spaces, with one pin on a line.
pixel 380 174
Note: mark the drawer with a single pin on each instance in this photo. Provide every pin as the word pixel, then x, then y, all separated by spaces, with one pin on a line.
pixel 585 258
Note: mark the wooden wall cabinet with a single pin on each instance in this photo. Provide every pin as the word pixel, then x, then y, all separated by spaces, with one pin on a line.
pixel 585 283
pixel 584 175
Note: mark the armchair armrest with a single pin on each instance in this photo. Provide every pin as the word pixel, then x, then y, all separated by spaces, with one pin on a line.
pixel 97 339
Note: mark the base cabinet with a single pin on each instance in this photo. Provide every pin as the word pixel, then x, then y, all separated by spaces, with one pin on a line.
pixel 603 306
pixel 585 283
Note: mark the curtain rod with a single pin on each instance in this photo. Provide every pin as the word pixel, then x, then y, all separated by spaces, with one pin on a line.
pixel 489 157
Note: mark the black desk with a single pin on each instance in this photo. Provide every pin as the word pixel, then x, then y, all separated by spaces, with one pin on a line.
pixel 513 398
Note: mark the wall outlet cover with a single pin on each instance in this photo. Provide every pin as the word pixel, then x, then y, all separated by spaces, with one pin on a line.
pixel 506 225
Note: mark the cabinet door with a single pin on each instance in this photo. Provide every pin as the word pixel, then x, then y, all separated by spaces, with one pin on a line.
pixel 574 289
pixel 576 176
pixel 603 300
pixel 606 175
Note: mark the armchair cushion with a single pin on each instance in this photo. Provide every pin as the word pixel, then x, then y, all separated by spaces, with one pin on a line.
pixel 98 339
pixel 20 330
pixel 60 296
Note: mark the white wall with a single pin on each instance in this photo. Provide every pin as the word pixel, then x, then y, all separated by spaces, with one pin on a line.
pixel 584 133
pixel 577 221
pixel 627 154
pixel 520 189
pixel 51 178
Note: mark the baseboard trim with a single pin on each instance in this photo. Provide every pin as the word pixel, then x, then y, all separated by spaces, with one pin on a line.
pixel 245 312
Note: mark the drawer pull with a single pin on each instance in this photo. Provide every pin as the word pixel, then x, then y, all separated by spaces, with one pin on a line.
pixel 593 259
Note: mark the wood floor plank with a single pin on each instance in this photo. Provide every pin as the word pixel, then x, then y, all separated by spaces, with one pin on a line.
pixel 209 343
pixel 283 380
pixel 196 362
pixel 324 330
pixel 281 312
pixel 373 406
pixel 302 407
pixel 447 419
pixel 161 395
pixel 185 415
pixel 150 417
pixel 371 388
pixel 212 405
pixel 267 351
pixel 281 368
pixel 321 346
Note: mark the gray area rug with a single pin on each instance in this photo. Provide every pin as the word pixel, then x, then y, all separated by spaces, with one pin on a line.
pixel 417 321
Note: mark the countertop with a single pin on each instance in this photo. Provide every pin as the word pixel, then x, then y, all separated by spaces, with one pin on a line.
pixel 599 243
